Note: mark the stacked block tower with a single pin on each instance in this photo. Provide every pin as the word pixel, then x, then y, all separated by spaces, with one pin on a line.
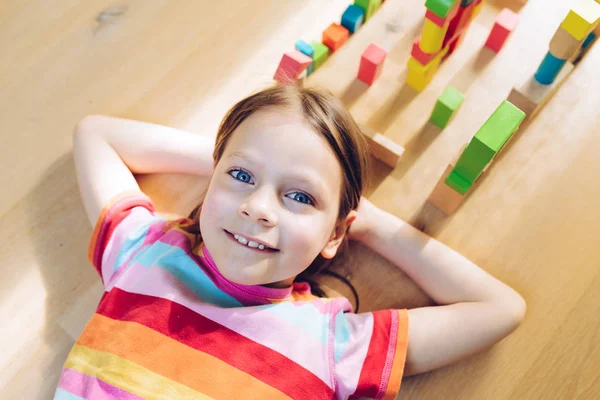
pixel 571 41
pixel 446 22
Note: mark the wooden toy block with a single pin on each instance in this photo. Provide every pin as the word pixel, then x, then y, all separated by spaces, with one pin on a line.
pixel 441 8
pixel 549 69
pixel 585 47
pixel 368 6
pixel 353 18
pixel 419 75
pixel 321 53
pixel 371 63
pixel 382 147
pixel 432 37
pixel 563 45
pixel 531 96
pixel 419 54
pixel 308 50
pixel 477 8
pixel 582 18
pixel 291 66
pixel 505 23
pixel 439 21
pixel 335 36
pixel 443 197
pixel 452 45
pixel 459 23
pixel 446 107
pixel 465 3
pixel 484 146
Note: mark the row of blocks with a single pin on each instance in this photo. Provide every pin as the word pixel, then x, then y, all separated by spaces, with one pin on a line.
pixel 575 36
pixel 572 40
pixel 446 21
pixel 576 33
pixel 307 57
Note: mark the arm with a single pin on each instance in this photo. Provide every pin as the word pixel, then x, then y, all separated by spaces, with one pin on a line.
pixel 476 310
pixel 109 150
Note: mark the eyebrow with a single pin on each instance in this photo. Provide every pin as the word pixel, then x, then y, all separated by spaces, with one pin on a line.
pixel 315 182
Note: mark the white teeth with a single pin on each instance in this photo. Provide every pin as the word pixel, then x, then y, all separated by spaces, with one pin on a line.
pixel 248 243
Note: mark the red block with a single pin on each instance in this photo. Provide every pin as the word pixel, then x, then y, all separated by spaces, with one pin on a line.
pixel 505 23
pixel 290 67
pixel 454 43
pixel 420 55
pixel 335 36
pixel 439 21
pixel 459 23
pixel 371 63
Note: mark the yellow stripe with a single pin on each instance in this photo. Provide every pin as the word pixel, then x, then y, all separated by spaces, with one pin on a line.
pixel 128 376
pixel 171 359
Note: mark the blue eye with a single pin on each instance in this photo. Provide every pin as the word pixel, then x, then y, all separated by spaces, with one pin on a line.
pixel 240 175
pixel 301 198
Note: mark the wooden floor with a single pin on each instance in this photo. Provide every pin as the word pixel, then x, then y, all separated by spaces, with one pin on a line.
pixel 532 222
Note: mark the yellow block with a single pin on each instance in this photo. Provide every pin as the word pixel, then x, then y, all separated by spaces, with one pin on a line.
pixel 582 18
pixel 432 36
pixel 419 75
pixel 477 10
pixel 417 80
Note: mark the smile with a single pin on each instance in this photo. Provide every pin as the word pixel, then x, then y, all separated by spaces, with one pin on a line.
pixel 249 244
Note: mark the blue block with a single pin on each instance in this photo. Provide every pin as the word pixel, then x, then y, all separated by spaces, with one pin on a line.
pixel 588 40
pixel 308 50
pixel 353 18
pixel 549 69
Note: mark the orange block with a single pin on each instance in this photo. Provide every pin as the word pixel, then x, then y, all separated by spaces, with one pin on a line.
pixel 335 36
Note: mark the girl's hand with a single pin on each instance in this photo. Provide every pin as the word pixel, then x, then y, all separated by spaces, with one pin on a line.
pixel 361 226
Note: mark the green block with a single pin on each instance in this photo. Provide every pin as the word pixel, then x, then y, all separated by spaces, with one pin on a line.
pixel 484 146
pixel 320 54
pixel 458 183
pixel 368 6
pixel 440 7
pixel 445 107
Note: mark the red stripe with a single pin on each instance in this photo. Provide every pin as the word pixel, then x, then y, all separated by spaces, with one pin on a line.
pixel 372 370
pixel 196 331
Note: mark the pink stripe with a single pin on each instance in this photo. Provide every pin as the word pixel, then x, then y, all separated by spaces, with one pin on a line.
pixel 387 370
pixel 137 217
pixel 91 388
pixel 255 323
pixel 350 364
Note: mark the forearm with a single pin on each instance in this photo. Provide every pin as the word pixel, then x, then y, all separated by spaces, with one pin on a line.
pixel 150 148
pixel 444 274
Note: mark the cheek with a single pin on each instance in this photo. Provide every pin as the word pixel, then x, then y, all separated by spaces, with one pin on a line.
pixel 216 206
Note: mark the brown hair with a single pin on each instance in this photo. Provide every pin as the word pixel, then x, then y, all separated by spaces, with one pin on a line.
pixel 328 117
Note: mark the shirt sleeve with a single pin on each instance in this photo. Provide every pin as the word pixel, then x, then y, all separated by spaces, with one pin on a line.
pixel 120 232
pixel 370 353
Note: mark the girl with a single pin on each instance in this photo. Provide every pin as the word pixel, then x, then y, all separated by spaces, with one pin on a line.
pixel 218 305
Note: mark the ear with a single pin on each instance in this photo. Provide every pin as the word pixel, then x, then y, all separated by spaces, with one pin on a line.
pixel 338 235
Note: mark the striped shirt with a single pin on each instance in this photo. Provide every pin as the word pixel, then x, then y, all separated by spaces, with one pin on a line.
pixel 170 326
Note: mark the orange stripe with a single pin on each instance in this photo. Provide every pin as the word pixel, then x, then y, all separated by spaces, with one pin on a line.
pixel 399 357
pixel 172 359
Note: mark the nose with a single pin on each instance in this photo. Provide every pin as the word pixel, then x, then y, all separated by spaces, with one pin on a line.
pixel 260 206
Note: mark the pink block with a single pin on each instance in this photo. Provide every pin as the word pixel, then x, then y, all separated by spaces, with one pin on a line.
pixel 371 63
pixel 505 23
pixel 290 67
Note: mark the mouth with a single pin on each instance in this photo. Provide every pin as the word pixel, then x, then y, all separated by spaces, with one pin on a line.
pixel 250 245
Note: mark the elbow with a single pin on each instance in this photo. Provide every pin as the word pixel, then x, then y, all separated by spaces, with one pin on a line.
pixel 515 310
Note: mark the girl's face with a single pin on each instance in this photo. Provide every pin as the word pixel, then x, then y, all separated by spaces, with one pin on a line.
pixel 273 200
